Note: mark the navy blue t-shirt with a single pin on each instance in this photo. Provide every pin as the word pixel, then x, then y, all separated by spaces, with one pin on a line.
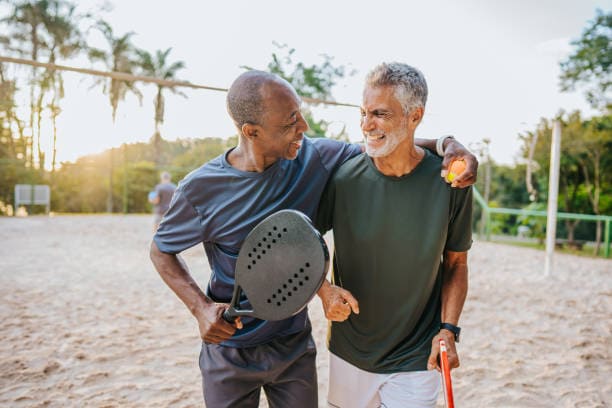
pixel 218 205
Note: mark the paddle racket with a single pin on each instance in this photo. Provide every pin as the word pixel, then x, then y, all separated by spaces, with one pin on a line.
pixel 280 267
pixel 446 376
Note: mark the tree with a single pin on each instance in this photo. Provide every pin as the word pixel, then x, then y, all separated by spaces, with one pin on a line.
pixel 595 162
pixel 312 81
pixel 65 42
pixel 159 66
pixel 12 159
pixel 590 64
pixel 43 30
pixel 585 165
pixel 118 58
pixel 27 24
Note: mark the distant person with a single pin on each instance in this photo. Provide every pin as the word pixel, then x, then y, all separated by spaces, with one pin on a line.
pixel 274 167
pixel 160 198
pixel 401 237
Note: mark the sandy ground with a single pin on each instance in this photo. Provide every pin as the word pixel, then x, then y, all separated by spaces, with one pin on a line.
pixel 86 321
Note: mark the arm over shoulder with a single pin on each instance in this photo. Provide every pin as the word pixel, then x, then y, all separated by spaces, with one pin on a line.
pixel 333 152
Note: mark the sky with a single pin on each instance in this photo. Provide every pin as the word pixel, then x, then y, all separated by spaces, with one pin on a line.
pixel 492 67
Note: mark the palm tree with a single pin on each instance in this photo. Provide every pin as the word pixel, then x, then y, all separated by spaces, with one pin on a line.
pixel 28 21
pixel 42 30
pixel 66 41
pixel 118 58
pixel 159 66
pixel 8 89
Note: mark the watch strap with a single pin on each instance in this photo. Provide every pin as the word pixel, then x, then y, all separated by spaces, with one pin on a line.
pixel 456 330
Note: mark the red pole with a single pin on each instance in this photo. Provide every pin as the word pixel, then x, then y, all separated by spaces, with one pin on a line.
pixel 446 376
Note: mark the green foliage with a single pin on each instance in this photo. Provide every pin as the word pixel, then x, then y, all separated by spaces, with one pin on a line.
pixel 585 179
pixel 83 186
pixel 585 159
pixel 590 64
pixel 537 225
pixel 159 66
pixel 312 81
pixel 199 152
pixel 507 184
pixel 120 56
pixel 42 30
pixel 501 223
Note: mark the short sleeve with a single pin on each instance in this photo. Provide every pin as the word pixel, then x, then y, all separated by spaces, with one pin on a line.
pixel 459 238
pixel 324 219
pixel 334 153
pixel 181 228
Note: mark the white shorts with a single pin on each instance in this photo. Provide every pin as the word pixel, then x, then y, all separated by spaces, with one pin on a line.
pixel 351 387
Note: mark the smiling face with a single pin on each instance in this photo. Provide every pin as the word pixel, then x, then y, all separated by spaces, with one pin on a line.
pixel 281 133
pixel 383 122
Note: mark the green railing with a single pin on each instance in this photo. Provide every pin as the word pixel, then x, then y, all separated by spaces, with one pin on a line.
pixel 560 215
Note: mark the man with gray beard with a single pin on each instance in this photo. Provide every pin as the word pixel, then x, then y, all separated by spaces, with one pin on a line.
pixel 401 236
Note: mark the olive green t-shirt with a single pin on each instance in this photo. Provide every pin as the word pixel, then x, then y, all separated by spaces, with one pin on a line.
pixel 390 234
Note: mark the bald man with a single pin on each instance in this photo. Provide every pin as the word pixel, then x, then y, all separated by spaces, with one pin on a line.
pixel 274 167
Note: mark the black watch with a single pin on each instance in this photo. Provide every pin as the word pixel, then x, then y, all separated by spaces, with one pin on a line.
pixel 456 330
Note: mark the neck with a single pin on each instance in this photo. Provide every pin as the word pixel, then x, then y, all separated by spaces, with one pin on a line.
pixel 245 158
pixel 402 160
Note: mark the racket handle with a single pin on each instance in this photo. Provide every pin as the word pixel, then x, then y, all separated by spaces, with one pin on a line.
pixel 228 316
pixel 446 376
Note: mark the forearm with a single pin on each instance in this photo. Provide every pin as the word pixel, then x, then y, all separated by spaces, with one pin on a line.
pixel 175 274
pixel 324 289
pixel 454 287
pixel 429 144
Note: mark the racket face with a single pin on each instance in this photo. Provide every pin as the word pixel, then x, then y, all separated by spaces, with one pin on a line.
pixel 281 265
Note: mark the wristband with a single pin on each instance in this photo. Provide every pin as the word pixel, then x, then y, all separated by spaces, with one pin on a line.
pixel 440 144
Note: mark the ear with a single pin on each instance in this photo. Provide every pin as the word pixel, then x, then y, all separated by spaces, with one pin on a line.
pixel 250 131
pixel 416 116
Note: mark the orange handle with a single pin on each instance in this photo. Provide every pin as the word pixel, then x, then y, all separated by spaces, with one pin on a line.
pixel 446 376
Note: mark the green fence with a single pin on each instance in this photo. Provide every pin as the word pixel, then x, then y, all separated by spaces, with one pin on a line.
pixel 560 215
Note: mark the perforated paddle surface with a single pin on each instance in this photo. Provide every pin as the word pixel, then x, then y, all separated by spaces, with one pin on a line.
pixel 281 265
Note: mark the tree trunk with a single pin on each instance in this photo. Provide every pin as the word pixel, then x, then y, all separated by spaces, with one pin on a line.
pixel 156 141
pixel 109 199
pixel 597 238
pixel 125 179
pixel 35 44
pixel 571 227
pixel 30 142
pixel 594 190
pixel 39 110
pixel 54 113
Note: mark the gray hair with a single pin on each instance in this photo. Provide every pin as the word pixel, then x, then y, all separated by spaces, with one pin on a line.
pixel 165 176
pixel 409 83
pixel 244 98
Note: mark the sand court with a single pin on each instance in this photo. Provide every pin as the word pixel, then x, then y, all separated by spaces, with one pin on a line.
pixel 86 321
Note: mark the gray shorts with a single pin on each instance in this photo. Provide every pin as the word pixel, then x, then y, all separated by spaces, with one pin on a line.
pixel 284 367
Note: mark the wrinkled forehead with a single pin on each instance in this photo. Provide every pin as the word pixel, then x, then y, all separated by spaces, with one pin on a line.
pixel 377 97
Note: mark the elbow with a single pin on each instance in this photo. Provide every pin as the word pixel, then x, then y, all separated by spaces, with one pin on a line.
pixel 154 253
